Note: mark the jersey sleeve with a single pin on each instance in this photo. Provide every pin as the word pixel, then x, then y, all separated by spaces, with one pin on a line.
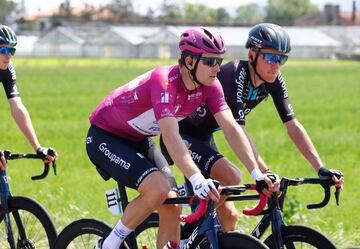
pixel 215 97
pixel 162 96
pixel 9 82
pixel 281 100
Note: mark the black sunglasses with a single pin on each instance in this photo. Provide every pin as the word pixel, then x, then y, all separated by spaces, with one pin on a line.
pixel 211 61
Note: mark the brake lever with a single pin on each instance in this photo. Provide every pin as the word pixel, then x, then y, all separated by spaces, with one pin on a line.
pixel 337 195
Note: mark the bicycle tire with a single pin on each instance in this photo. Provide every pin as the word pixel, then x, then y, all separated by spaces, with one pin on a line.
pixel 39 228
pixel 304 237
pixel 146 232
pixel 83 233
pixel 234 240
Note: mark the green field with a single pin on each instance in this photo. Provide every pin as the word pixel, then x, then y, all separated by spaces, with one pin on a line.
pixel 61 93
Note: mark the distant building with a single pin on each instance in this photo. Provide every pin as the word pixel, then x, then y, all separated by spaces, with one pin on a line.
pixel 331 16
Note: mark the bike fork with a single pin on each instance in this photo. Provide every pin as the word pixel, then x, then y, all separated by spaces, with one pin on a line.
pixel 276 225
pixel 5 193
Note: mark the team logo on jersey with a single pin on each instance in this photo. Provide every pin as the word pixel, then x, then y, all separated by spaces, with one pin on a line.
pixel 136 96
pixel 187 144
pixel 201 111
pixel 164 98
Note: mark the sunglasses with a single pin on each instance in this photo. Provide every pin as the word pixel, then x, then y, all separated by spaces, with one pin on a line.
pixel 211 61
pixel 7 50
pixel 271 58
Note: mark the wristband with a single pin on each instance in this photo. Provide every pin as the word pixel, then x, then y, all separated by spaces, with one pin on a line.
pixel 257 174
pixel 196 179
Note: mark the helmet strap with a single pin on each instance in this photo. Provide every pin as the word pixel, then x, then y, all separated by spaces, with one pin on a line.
pixel 254 64
pixel 193 71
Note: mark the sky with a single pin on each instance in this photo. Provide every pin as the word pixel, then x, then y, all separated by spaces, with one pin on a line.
pixel 33 6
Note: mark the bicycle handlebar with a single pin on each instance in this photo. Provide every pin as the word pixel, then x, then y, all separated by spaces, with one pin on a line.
pixel 9 156
pixel 325 184
pixel 226 190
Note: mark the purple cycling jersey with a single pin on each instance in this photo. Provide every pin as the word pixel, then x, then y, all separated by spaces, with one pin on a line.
pixel 132 110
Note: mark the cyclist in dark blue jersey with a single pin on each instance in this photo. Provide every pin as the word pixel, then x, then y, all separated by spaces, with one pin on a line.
pixel 246 84
pixel 19 112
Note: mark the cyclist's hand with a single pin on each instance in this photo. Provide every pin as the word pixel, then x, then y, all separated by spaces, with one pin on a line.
pixel 48 155
pixel 267 182
pixel 3 162
pixel 273 182
pixel 336 175
pixel 204 188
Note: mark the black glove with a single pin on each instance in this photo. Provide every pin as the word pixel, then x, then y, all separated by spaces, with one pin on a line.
pixel 325 173
pixel 42 152
pixel 261 184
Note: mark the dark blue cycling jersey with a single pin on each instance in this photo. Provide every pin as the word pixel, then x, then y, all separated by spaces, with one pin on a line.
pixel 241 96
pixel 8 78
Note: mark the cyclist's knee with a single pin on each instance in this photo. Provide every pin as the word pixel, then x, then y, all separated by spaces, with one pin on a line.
pixel 155 187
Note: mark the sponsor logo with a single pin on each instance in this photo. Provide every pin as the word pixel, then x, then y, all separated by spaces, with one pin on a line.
pixel 164 97
pixel 194 96
pixel 195 156
pixel 15 90
pixel 12 71
pixel 191 239
pixel 291 113
pixel 144 174
pixel 89 140
pixel 208 162
pixel 171 79
pixel 283 86
pixel 113 157
pixel 240 85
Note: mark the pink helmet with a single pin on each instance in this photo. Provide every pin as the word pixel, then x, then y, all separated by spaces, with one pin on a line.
pixel 201 40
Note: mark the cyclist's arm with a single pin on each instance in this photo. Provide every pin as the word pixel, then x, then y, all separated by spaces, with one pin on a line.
pixel 23 120
pixel 262 165
pixel 236 138
pixel 170 132
pixel 301 139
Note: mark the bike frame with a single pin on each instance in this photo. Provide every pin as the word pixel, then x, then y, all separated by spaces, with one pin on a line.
pixel 6 195
pixel 273 216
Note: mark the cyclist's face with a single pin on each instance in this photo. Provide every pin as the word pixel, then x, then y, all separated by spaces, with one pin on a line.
pixel 268 63
pixel 5 57
pixel 208 68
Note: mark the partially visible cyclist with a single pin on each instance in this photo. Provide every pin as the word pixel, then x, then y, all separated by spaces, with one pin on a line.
pixel 246 84
pixel 19 112
pixel 119 140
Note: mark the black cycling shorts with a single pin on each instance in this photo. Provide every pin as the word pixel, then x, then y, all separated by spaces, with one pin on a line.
pixel 203 152
pixel 120 158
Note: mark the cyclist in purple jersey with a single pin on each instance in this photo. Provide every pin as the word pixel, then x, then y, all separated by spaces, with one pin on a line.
pixel 246 84
pixel 19 112
pixel 119 139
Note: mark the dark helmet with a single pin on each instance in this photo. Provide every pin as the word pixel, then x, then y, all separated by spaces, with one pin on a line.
pixel 201 40
pixel 7 36
pixel 268 35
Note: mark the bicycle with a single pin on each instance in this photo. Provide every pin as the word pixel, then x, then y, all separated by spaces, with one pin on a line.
pixel 294 236
pixel 27 224
pixel 84 233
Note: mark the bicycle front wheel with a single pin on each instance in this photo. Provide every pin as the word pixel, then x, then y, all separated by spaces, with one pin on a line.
pixel 302 237
pixel 234 240
pixel 31 225
pixel 82 234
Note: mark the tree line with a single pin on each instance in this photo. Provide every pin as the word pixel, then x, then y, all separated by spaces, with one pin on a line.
pixel 283 12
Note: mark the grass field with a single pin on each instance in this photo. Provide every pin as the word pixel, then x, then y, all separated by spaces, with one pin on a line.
pixel 61 93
